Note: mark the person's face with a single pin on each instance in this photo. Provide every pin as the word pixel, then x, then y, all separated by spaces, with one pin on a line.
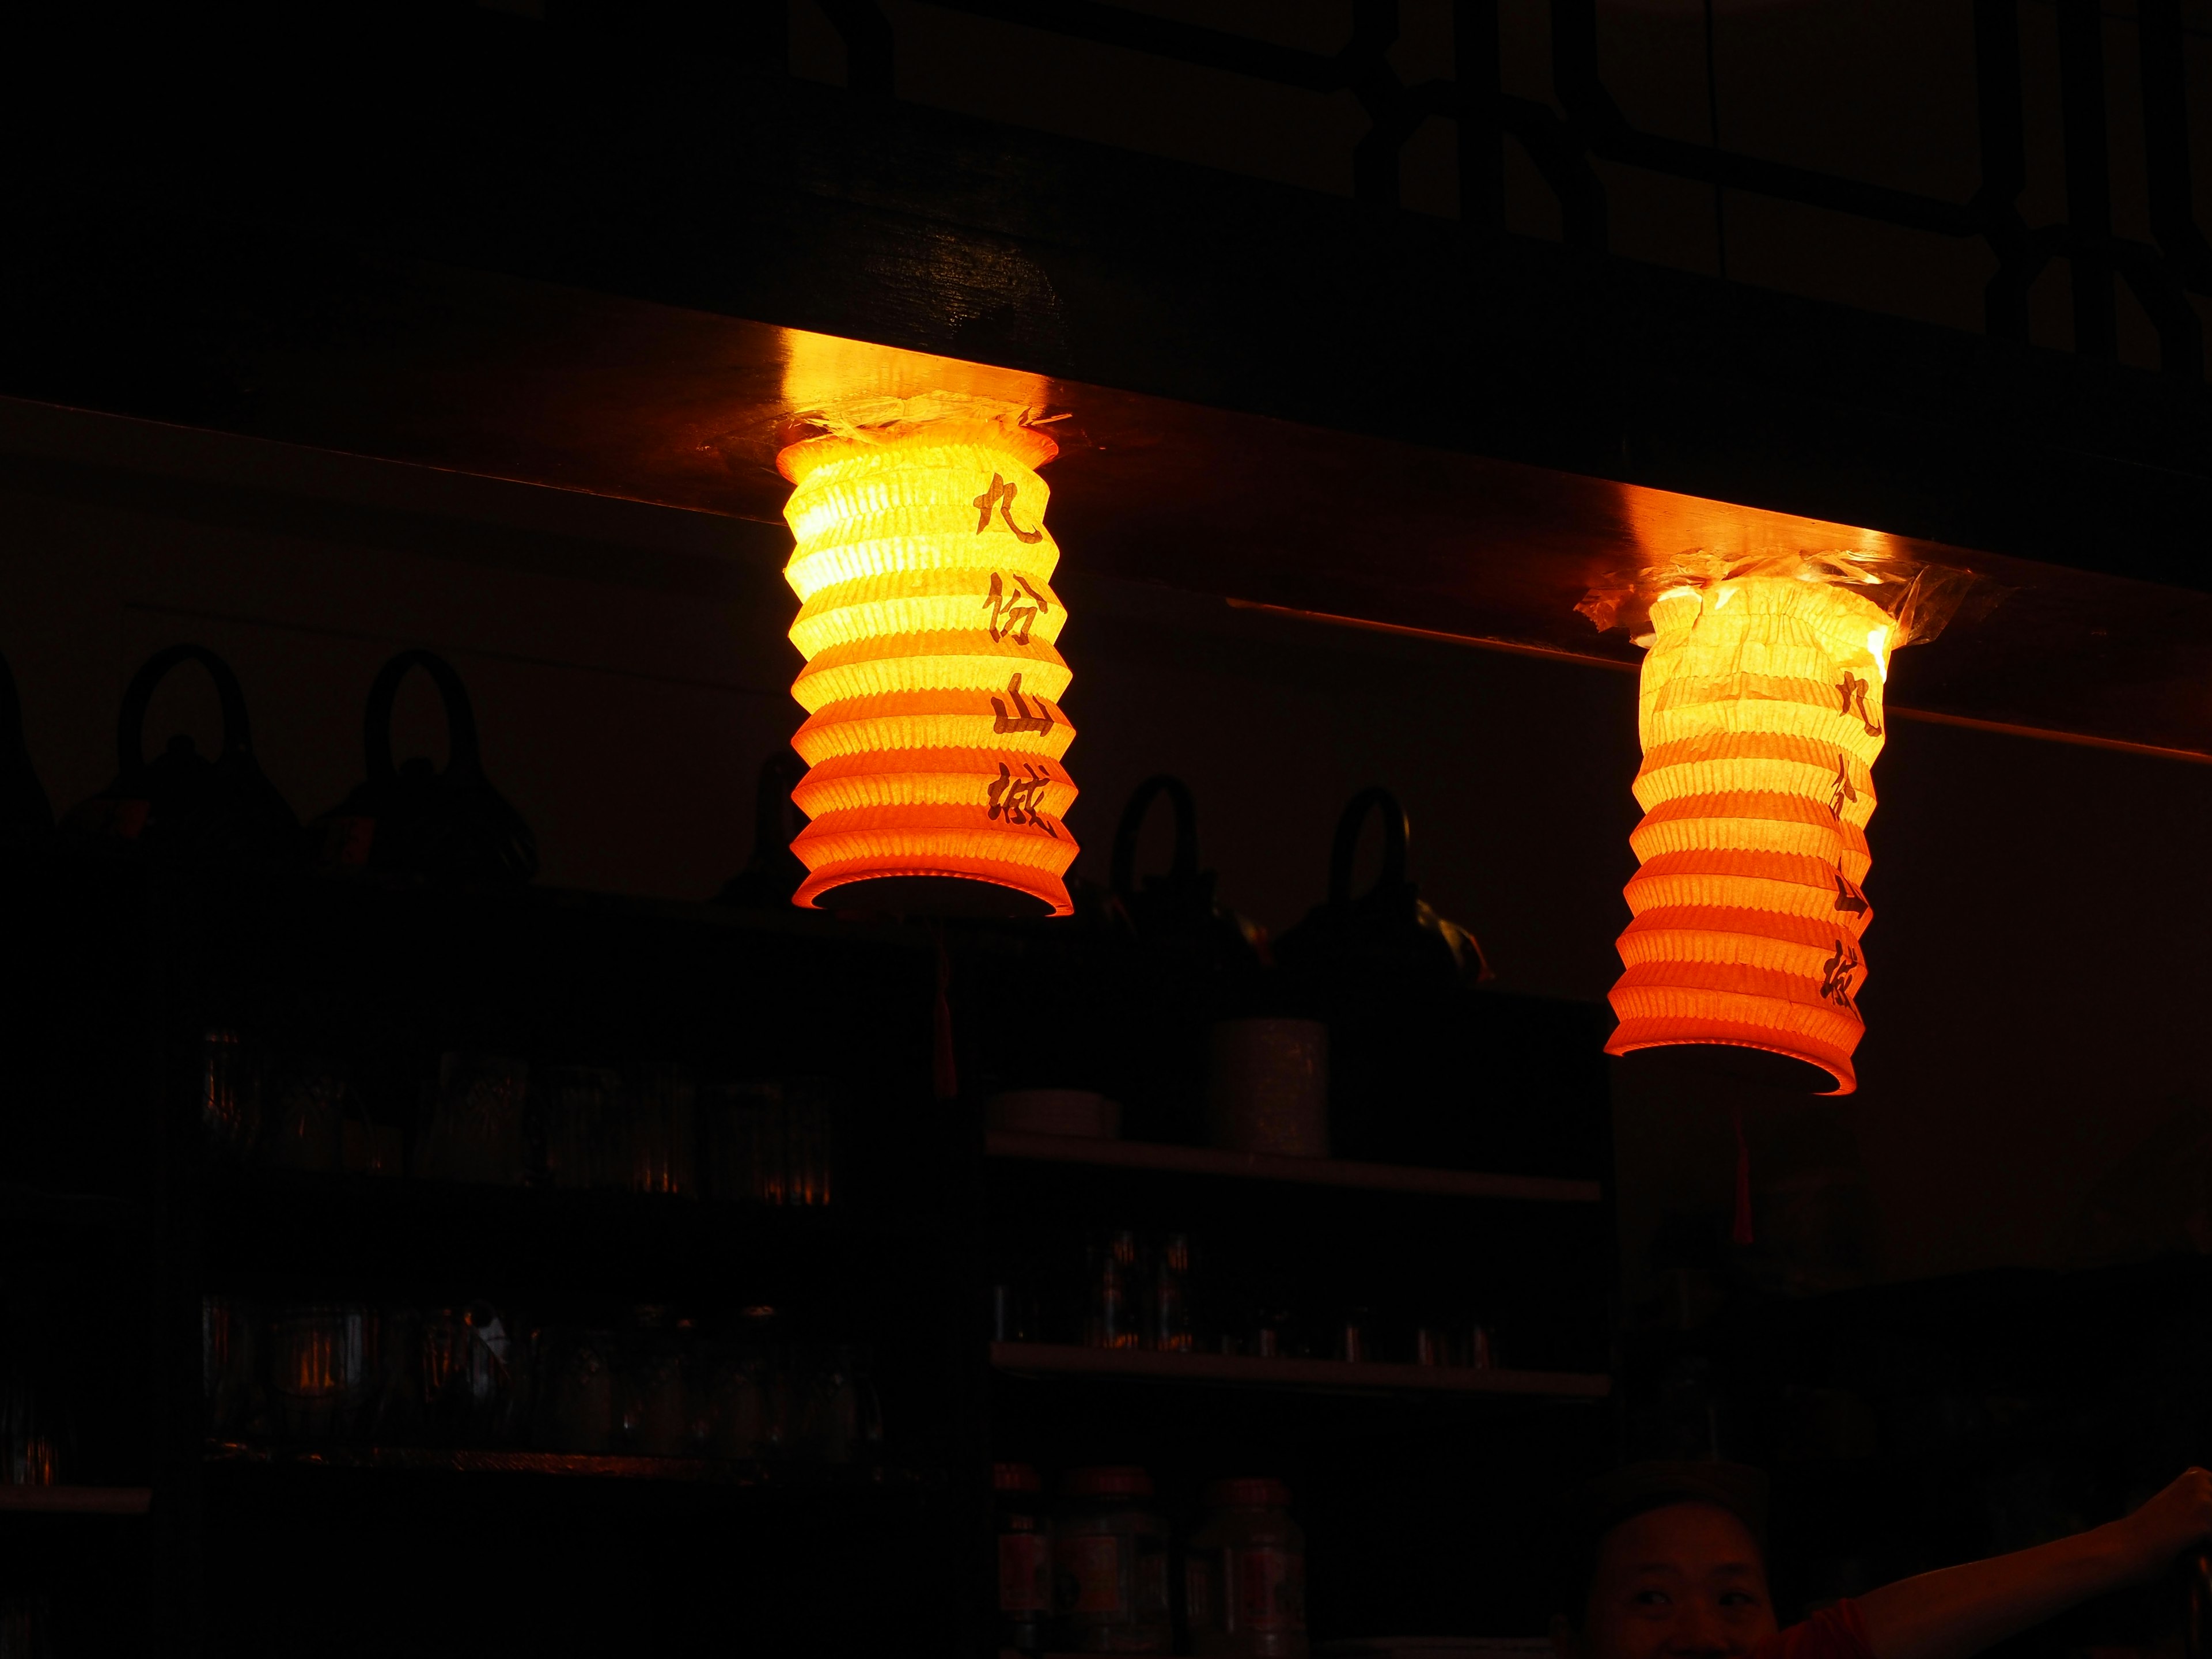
pixel 1685 1582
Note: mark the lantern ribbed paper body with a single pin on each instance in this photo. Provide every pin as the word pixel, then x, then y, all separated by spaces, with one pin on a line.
pixel 1761 714
pixel 931 687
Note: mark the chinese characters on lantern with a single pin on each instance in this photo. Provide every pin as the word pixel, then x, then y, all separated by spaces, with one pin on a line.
pixel 1017 796
pixel 1011 617
pixel 934 735
pixel 1001 495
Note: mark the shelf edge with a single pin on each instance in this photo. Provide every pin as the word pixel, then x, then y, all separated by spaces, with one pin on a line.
pixel 1268 1166
pixel 75 1500
pixel 1067 1360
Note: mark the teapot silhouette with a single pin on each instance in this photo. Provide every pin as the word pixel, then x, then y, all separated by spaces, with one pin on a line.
pixel 181 801
pixel 448 828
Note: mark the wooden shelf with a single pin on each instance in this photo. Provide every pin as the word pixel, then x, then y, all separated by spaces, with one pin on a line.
pixel 29 1209
pixel 75 1500
pixel 1265 1166
pixel 1060 1359
pixel 443 1459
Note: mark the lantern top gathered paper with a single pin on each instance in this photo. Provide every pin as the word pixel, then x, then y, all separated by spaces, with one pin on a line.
pixel 1920 599
pixel 933 736
pixel 1761 713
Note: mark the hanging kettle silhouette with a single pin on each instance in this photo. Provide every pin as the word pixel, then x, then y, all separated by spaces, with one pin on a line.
pixel 1392 978
pixel 1388 935
pixel 773 872
pixel 448 828
pixel 181 801
pixel 1176 912
pixel 1181 963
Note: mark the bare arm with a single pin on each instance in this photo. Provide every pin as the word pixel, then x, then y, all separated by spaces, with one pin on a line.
pixel 1959 1611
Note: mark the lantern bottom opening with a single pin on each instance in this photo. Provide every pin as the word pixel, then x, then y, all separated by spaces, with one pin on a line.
pixel 1808 1068
pixel 1002 891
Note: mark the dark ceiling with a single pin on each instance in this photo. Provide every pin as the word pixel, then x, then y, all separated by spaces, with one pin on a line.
pixel 494 252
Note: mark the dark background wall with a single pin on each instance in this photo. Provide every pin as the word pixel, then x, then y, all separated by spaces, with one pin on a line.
pixel 1876 90
pixel 2037 954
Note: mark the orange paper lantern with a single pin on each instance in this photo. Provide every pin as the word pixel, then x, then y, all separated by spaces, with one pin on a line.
pixel 1761 714
pixel 934 735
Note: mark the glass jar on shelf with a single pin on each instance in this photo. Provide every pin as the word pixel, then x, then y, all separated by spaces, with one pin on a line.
pixel 1244 1576
pixel 1024 1558
pixel 1110 1564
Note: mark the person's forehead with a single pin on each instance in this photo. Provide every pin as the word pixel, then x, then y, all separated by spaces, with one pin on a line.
pixel 1693 1535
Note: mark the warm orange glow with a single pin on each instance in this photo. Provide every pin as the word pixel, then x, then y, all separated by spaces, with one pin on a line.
pixel 1761 715
pixel 931 685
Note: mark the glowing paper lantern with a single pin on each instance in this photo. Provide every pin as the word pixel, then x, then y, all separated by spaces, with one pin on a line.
pixel 1761 713
pixel 933 734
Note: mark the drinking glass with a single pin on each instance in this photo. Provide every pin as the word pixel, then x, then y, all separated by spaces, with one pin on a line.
pixel 321 1365
pixel 807 1148
pixel 230 1095
pixel 659 1108
pixel 576 1398
pixel 25 1621
pixel 30 1444
pixel 766 1357
pixel 475 1376
pixel 306 1119
pixel 744 1143
pixel 227 1364
pixel 839 1420
pixel 734 1424
pixel 584 1137
pixel 655 1420
pixel 476 1130
pixel 393 1415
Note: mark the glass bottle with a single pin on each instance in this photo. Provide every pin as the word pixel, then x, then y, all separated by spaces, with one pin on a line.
pixel 1111 1319
pixel 1024 1558
pixel 1244 1578
pixel 1110 1562
pixel 1170 1328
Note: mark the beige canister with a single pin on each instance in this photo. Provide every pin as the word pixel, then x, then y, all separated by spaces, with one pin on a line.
pixel 1267 1087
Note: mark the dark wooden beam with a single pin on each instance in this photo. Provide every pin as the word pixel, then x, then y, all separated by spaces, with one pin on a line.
pixel 578 259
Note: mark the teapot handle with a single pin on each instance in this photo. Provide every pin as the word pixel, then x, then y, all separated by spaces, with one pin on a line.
pixel 130 728
pixel 11 707
pixel 773 810
pixel 461 752
pixel 1185 868
pixel 1348 827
